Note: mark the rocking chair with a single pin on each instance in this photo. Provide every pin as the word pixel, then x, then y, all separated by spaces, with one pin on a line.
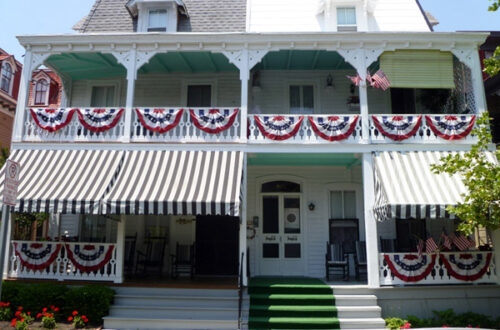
pixel 183 262
pixel 335 258
pixel 130 242
pixel 360 258
pixel 154 255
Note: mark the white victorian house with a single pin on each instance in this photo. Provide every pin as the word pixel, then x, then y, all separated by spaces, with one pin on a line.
pixel 205 143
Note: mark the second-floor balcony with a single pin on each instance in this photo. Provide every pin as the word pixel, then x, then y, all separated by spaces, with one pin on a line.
pixel 280 94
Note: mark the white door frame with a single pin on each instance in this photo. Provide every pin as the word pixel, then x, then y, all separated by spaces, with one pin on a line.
pixel 303 196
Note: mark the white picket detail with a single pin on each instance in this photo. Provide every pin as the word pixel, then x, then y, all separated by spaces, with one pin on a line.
pixel 439 275
pixel 62 268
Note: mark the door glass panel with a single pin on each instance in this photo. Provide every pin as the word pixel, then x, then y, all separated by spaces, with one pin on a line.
pixel 270 216
pixel 199 96
pixel 336 205
pixel 294 98
pixel 280 186
pixel 292 215
pixel 102 96
pixel 349 204
pixel 308 98
pixel 292 250
pixel 270 250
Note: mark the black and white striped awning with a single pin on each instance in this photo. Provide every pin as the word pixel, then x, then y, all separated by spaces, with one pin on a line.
pixel 406 187
pixel 63 181
pixel 177 182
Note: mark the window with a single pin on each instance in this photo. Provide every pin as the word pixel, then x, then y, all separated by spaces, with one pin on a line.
pixel 409 231
pixel 343 222
pixel 346 19
pixel 6 77
pixel 41 91
pixel 403 100
pixel 102 96
pixel 281 186
pixel 301 99
pixel 157 20
pixel 199 96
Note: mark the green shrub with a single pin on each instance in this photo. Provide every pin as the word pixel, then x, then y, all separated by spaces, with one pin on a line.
pixel 394 323
pixel 93 301
pixel 446 318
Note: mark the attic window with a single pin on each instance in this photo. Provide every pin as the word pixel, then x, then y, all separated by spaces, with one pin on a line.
pixel 6 77
pixel 41 92
pixel 346 19
pixel 157 20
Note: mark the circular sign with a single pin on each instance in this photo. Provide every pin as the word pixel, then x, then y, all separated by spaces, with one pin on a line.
pixel 13 171
pixel 291 218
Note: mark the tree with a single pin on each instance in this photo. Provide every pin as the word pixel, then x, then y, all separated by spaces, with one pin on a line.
pixel 492 64
pixel 4 154
pixel 481 206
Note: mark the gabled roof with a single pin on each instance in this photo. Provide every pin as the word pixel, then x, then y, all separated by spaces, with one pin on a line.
pixel 204 16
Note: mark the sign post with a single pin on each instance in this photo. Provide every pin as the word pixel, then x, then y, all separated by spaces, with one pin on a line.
pixel 11 184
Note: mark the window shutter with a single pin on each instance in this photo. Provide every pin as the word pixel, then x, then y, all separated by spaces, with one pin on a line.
pixel 418 68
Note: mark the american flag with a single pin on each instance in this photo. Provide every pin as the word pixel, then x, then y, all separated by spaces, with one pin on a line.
pixel 355 80
pixel 461 242
pixel 430 245
pixel 472 243
pixel 420 247
pixel 446 241
pixel 380 80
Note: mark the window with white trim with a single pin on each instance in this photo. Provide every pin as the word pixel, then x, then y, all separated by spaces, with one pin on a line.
pixel 6 77
pixel 344 225
pixel 301 99
pixel 41 92
pixel 346 19
pixel 157 20
pixel 102 96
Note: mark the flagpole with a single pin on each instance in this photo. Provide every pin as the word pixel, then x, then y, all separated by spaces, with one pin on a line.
pixel 3 241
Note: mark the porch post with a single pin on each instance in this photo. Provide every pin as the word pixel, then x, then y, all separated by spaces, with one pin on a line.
pixel 363 105
pixel 66 92
pixel 120 249
pixel 478 83
pixel 495 235
pixel 371 236
pixel 244 77
pixel 243 225
pixel 7 246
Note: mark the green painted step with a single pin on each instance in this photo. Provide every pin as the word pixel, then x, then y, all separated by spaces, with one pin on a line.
pixel 293 323
pixel 293 311
pixel 291 303
pixel 292 299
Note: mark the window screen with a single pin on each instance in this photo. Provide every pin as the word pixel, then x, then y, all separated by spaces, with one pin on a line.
pixel 301 99
pixel 346 19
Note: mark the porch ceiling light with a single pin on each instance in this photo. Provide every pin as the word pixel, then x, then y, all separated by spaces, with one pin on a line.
pixel 329 82
pixel 311 206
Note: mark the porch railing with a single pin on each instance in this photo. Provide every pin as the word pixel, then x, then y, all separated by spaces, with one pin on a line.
pixel 63 261
pixel 185 131
pixel 443 268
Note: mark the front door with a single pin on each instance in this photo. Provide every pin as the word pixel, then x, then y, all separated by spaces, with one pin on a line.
pixel 281 248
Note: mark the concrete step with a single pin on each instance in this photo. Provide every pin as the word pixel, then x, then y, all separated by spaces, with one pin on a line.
pixel 360 312
pixel 352 290
pixel 190 313
pixel 355 300
pixel 175 301
pixel 111 322
pixel 175 292
pixel 359 323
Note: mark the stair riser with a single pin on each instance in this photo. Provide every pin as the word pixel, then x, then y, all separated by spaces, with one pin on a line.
pixel 168 324
pixel 358 314
pixel 296 302
pixel 355 302
pixel 292 314
pixel 374 325
pixel 167 302
pixel 218 314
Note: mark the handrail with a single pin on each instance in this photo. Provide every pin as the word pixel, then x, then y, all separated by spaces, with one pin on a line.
pixel 240 290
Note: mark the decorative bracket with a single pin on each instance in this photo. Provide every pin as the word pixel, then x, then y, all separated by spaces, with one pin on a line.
pixel 361 58
pixel 133 60
pixel 465 55
pixel 37 59
pixel 245 60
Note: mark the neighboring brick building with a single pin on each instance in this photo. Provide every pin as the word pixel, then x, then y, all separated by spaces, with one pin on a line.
pixel 10 76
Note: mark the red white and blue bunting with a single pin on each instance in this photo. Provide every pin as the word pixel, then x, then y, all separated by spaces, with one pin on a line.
pixel 213 121
pixel 159 120
pixel 278 128
pixel 397 128
pixel 99 120
pixel 89 257
pixel 333 128
pixel 466 266
pixel 36 256
pixel 410 267
pixel 451 127
pixel 52 119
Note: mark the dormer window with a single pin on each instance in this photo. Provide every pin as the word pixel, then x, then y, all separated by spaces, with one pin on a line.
pixel 157 20
pixel 6 78
pixel 346 19
pixel 41 92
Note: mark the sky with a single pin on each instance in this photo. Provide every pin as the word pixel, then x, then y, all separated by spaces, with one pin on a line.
pixel 20 17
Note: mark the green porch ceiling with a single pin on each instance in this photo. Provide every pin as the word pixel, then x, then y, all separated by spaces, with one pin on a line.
pixel 81 66
pixel 191 62
pixel 304 159
pixel 303 60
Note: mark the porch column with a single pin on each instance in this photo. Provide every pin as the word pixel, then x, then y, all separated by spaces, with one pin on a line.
pixel 132 60
pixel 22 99
pixel 7 246
pixel 120 248
pixel 244 77
pixel 363 105
pixel 371 236
pixel 66 92
pixel 243 226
